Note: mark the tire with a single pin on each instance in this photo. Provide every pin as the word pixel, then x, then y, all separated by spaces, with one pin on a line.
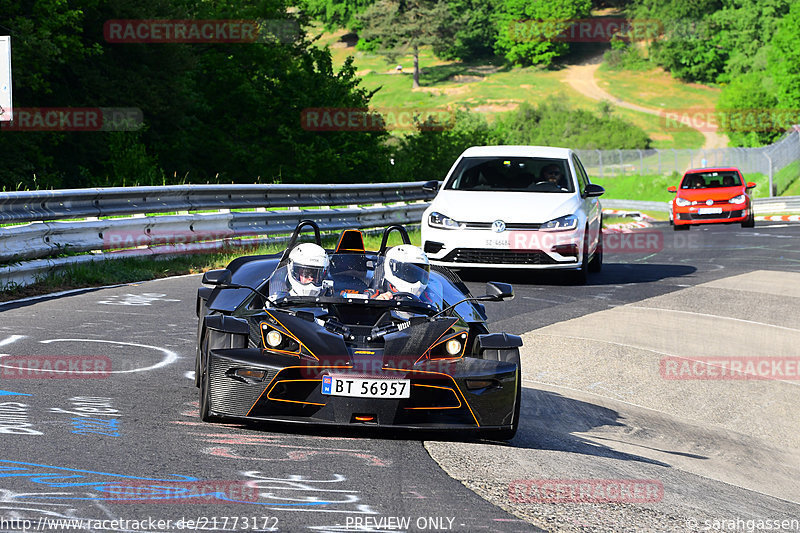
pixel 198 356
pixel 596 264
pixel 510 355
pixel 750 222
pixel 684 227
pixel 205 392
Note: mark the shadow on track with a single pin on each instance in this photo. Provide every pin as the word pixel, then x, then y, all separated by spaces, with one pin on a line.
pixel 612 274
pixel 550 421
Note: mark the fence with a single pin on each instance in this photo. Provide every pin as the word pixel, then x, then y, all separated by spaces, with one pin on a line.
pixel 767 160
pixel 112 222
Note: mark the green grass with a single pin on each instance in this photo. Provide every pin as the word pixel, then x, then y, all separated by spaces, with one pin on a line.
pixel 490 88
pixel 787 180
pixel 128 270
pixel 653 188
pixel 656 89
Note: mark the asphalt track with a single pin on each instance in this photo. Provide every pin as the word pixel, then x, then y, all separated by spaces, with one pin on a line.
pixel 595 408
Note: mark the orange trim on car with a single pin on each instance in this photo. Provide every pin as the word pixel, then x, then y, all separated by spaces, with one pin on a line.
pixel 455 385
pixel 289 333
pixel 278 373
pixel 292 401
pixel 438 387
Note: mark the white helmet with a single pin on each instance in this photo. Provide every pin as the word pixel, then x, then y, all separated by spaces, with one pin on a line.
pixel 308 264
pixel 407 268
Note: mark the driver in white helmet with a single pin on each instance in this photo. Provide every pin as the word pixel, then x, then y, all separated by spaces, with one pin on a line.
pixel 405 269
pixel 308 265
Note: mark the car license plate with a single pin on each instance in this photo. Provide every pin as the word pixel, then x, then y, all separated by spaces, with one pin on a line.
pixel 709 211
pixel 497 243
pixel 366 388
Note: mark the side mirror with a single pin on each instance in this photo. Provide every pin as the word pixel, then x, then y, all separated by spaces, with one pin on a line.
pixel 431 186
pixel 219 276
pixel 593 191
pixel 751 185
pixel 499 291
pixel 672 189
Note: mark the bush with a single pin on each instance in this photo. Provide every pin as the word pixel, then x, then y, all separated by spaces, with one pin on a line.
pixel 554 123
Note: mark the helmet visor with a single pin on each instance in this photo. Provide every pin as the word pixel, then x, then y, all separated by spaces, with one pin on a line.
pixel 308 275
pixel 410 272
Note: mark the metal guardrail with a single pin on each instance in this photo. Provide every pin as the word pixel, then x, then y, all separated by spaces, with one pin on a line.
pixel 776 204
pixel 29 206
pixel 32 245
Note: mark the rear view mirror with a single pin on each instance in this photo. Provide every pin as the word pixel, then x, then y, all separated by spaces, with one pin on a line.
pixel 499 291
pixel 219 276
pixel 431 186
pixel 593 190
pixel 672 189
pixel 750 185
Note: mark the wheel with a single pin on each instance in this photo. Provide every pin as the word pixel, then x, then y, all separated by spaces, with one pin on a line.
pixel 511 356
pixel 205 392
pixel 750 222
pixel 198 356
pixel 596 264
pixel 684 227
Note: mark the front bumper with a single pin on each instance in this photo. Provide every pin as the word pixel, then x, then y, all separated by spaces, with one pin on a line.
pixel 692 215
pixel 532 249
pixel 291 392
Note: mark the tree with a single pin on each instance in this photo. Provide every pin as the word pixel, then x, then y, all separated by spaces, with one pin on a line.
pixel 404 25
pixel 528 31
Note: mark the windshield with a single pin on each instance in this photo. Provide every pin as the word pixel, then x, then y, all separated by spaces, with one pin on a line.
pixel 370 278
pixel 711 180
pixel 512 174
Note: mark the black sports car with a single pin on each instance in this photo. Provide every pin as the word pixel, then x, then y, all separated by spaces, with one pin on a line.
pixel 344 358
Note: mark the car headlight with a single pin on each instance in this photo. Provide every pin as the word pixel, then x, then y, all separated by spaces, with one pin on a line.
pixel 438 220
pixel 564 223
pixel 738 199
pixel 682 202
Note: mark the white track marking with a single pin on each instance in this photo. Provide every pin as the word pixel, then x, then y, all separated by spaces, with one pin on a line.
pixel 711 316
pixel 12 338
pixel 170 356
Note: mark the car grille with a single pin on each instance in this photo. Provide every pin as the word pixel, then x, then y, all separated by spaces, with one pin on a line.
pixel 509 226
pixel 723 215
pixel 499 257
pixel 230 396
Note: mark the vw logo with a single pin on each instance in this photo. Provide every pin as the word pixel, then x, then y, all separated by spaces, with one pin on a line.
pixel 709 202
pixel 498 226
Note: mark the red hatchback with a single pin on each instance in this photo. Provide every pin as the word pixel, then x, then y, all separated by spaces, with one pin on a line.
pixel 712 196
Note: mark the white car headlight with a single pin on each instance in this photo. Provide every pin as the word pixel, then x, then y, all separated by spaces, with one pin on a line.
pixel 738 199
pixel 438 220
pixel 564 223
pixel 682 202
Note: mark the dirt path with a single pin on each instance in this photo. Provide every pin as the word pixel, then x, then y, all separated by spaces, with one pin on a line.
pixel 582 79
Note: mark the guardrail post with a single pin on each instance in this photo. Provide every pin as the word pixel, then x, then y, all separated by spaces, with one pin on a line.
pixel 771 190
pixel 641 163
pixel 600 162
pixel 621 163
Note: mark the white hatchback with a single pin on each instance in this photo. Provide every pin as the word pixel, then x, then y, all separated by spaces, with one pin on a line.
pixel 516 207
